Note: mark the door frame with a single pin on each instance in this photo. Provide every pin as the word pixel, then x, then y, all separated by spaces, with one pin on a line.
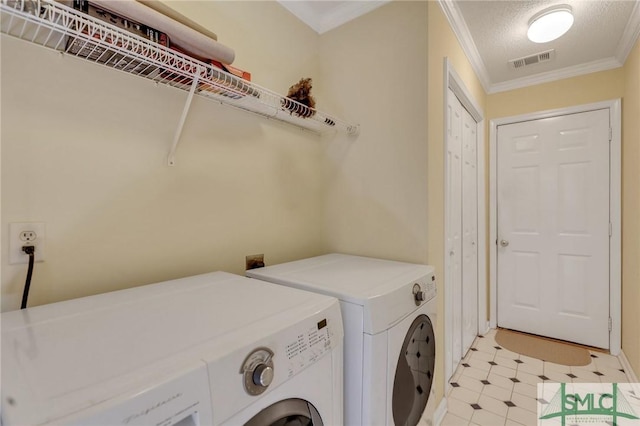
pixel 615 246
pixel 453 81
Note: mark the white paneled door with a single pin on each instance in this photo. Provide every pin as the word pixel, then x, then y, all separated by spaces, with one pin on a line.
pixel 469 231
pixel 553 227
pixel 454 222
pixel 462 228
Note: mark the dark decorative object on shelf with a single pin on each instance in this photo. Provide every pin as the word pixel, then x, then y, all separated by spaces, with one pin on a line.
pixel 301 93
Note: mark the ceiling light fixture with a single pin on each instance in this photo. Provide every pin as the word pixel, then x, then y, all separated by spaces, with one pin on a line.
pixel 549 24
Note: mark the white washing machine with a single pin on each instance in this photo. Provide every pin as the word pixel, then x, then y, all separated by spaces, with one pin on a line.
pixel 213 349
pixel 389 313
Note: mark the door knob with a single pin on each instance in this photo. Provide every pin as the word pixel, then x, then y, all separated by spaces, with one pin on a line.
pixel 504 243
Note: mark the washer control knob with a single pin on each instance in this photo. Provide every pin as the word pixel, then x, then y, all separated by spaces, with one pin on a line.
pixel 263 375
pixel 257 371
pixel 418 294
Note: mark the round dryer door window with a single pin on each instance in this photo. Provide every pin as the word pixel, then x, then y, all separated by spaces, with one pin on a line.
pixel 414 374
pixel 289 412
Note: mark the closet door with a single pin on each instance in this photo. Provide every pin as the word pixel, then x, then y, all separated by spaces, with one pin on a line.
pixel 454 228
pixel 469 231
pixel 461 198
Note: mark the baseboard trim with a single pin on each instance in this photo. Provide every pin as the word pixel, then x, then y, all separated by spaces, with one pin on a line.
pixel 441 411
pixel 631 375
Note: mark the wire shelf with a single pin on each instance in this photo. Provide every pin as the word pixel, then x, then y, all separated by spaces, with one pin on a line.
pixel 56 26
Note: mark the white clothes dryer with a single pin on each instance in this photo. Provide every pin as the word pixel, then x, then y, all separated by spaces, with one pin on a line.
pixel 389 314
pixel 213 349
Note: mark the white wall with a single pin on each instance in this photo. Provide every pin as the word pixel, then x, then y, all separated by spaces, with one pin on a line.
pixel 84 149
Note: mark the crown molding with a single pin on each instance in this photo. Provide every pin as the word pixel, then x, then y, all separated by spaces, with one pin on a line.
pixel 460 29
pixel 547 77
pixel 630 35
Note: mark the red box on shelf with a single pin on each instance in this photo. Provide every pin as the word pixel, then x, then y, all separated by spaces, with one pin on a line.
pixel 245 75
pixel 218 83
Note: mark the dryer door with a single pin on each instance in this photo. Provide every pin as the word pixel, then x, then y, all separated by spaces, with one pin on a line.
pixel 289 412
pixel 414 373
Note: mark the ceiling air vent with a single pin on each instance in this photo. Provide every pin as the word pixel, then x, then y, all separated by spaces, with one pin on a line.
pixel 533 59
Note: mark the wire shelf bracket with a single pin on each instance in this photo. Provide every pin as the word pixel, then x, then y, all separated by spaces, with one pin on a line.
pixel 183 118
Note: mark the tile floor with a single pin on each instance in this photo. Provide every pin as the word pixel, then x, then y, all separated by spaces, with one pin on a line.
pixel 493 386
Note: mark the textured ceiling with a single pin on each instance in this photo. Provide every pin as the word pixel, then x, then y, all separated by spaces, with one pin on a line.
pixel 494 32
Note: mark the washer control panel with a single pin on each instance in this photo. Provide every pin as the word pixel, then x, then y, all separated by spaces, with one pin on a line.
pixel 425 290
pixel 257 371
pixel 257 361
pixel 307 346
pixel 301 348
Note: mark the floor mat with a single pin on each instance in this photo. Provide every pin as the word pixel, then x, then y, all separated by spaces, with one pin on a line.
pixel 543 348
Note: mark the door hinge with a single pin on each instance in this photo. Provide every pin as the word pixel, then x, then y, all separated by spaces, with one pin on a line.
pixel 610 229
pixel 610 324
pixel 610 134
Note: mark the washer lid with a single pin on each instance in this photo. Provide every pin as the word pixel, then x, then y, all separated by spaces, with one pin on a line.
pixel 384 288
pixel 68 356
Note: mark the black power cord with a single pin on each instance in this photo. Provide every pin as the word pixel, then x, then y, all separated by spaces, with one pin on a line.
pixel 30 250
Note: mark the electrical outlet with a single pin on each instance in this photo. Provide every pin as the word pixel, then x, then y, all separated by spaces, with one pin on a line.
pixel 26 234
pixel 254 261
